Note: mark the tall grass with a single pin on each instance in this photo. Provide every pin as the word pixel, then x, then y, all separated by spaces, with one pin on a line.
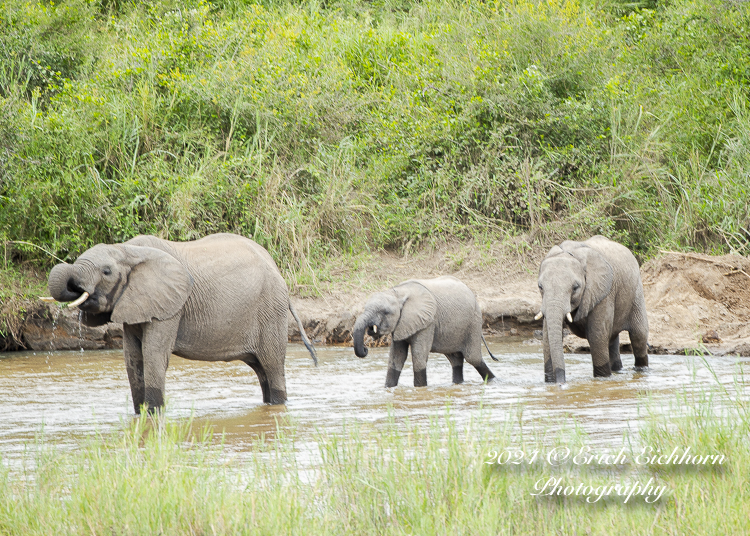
pixel 160 476
pixel 326 127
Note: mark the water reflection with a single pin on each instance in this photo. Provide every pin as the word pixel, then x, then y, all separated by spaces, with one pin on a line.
pixel 75 394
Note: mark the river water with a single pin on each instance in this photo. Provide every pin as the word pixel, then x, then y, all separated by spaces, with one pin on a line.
pixel 71 395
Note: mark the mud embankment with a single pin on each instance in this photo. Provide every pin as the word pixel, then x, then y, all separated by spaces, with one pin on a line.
pixel 695 303
pixel 53 327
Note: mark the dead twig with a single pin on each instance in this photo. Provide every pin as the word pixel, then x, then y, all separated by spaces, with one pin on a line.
pixel 699 258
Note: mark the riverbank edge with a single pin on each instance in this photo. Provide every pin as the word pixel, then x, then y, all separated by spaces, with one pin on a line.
pixel 52 327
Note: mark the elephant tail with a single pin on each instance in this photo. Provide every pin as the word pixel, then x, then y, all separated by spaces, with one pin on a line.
pixel 302 333
pixel 488 349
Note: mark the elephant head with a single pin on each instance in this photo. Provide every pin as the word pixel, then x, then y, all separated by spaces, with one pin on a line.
pixel 122 283
pixel 402 311
pixel 573 279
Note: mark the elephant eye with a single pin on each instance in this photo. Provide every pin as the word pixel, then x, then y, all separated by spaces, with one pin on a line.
pixel 576 286
pixel 540 286
pixel 107 271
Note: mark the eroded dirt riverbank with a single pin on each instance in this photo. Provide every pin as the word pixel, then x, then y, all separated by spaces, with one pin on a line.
pixel 696 303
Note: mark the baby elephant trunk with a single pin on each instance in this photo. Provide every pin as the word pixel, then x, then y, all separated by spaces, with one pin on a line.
pixel 358 333
pixel 554 369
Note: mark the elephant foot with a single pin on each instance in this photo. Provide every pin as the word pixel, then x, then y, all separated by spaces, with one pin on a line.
pixel 277 397
pixel 458 374
pixel 154 398
pixel 485 372
pixel 602 371
pixel 557 377
pixel 616 365
pixel 391 379
pixel 641 362
pixel 420 378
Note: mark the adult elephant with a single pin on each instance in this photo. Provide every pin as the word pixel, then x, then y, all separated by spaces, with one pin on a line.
pixel 431 315
pixel 220 298
pixel 595 287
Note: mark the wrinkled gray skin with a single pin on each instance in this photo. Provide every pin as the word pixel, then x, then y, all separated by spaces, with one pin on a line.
pixel 429 315
pixel 598 281
pixel 220 298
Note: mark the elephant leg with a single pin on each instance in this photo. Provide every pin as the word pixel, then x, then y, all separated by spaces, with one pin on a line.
pixel 639 335
pixel 600 356
pixel 473 356
pixel 640 349
pixel 420 349
pixel 396 359
pixel 271 354
pixel 598 331
pixel 131 346
pixel 457 362
pixel 262 379
pixel 157 344
pixel 275 380
pixel 615 363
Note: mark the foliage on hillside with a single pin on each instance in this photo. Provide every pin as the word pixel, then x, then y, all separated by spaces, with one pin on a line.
pixel 325 127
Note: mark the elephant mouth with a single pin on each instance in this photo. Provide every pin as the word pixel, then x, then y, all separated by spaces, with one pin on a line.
pixel 374 332
pixel 86 302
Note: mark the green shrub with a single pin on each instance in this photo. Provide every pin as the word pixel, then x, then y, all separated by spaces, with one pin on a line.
pixel 346 126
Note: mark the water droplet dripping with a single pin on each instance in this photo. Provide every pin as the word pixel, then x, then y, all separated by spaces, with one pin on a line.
pixel 80 333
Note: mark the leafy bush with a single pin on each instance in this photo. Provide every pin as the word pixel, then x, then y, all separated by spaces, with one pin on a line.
pixel 349 126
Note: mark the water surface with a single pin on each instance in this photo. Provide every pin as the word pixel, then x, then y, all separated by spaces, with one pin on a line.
pixel 70 395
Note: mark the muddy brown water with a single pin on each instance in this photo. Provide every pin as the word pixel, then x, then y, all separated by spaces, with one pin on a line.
pixel 70 395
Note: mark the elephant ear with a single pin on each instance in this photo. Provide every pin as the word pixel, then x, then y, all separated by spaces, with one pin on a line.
pixel 599 277
pixel 418 309
pixel 158 286
pixel 554 252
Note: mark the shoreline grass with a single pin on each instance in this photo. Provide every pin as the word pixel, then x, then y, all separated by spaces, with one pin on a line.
pixel 161 476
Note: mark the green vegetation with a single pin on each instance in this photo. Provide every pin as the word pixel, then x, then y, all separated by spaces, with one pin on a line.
pixel 321 128
pixel 158 477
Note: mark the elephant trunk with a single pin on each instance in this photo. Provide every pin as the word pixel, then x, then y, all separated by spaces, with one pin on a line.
pixel 64 283
pixel 358 333
pixel 553 331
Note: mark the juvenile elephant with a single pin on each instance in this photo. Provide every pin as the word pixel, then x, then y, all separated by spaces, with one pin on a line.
pixel 431 315
pixel 220 298
pixel 595 286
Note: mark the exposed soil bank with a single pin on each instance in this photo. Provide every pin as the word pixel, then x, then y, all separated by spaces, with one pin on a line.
pixel 696 303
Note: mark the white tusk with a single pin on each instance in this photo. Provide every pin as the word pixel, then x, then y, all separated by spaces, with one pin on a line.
pixel 82 298
pixel 539 315
pixel 570 318
pixel 49 299
pixel 374 329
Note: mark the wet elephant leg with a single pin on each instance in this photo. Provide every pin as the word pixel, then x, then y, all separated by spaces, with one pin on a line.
pixel 457 362
pixel 640 349
pixel 396 359
pixel 600 355
pixel 274 372
pixel 598 333
pixel 639 339
pixel 615 363
pixel 157 344
pixel 131 346
pixel 262 378
pixel 473 356
pixel 420 349
pixel 271 353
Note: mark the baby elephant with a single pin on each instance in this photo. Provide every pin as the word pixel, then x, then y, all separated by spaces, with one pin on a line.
pixel 595 288
pixel 431 315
